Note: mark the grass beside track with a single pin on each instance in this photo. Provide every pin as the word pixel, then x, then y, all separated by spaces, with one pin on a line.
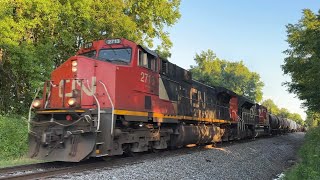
pixel 14 141
pixel 309 166
pixel 18 161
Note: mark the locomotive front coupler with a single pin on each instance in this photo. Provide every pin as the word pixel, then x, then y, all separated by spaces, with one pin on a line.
pixel 53 137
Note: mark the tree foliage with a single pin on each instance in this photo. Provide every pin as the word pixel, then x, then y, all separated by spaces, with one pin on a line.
pixel 38 35
pixel 296 117
pixel 281 112
pixel 284 112
pixel 271 106
pixel 313 119
pixel 232 75
pixel 303 59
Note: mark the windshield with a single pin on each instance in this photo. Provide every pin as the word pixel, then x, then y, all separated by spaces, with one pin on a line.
pixel 90 54
pixel 115 55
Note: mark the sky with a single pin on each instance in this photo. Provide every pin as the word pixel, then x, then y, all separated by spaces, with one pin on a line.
pixel 250 30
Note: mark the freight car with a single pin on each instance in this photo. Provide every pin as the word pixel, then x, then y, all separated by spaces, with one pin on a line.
pixel 115 96
pixel 283 125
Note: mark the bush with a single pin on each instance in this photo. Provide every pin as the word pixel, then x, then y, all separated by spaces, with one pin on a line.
pixel 13 137
pixel 309 167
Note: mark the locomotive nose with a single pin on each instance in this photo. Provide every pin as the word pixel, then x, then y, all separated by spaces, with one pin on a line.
pixel 60 144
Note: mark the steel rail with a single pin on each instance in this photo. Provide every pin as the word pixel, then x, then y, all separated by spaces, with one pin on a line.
pixel 21 168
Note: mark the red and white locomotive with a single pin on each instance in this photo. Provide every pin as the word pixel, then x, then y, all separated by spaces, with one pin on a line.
pixel 117 97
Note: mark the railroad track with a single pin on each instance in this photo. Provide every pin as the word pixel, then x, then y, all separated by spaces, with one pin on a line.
pixel 55 169
pixel 16 172
pixel 51 171
pixel 45 170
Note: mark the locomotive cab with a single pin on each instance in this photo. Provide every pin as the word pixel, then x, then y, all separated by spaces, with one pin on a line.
pixel 105 78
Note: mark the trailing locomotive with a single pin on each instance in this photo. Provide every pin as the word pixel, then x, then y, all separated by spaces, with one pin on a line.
pixel 117 97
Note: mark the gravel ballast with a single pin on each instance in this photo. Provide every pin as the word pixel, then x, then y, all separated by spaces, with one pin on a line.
pixel 262 158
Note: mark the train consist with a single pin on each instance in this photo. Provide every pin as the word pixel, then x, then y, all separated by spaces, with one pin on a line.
pixel 117 97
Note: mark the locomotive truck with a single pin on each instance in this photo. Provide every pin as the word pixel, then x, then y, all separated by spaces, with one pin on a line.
pixel 115 96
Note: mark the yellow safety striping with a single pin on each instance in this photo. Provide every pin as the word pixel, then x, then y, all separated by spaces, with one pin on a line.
pixel 60 111
pixel 146 114
pixel 130 113
pixel 159 115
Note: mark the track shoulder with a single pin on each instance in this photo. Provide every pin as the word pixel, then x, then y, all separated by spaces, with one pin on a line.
pixel 262 158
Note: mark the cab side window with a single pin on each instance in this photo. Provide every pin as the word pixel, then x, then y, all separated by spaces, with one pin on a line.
pixel 147 60
pixel 164 67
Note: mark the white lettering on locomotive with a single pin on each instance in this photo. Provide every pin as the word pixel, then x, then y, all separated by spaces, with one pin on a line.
pixel 147 78
pixel 88 89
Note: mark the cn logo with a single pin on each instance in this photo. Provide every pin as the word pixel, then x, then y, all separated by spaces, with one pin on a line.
pixel 88 88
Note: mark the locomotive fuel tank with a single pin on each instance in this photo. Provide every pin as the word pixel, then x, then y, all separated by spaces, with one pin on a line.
pixel 196 134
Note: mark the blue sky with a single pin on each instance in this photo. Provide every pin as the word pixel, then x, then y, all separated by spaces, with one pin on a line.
pixel 253 31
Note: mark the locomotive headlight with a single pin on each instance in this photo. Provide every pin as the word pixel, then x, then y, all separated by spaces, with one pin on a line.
pixel 74 69
pixel 74 63
pixel 74 66
pixel 72 101
pixel 36 103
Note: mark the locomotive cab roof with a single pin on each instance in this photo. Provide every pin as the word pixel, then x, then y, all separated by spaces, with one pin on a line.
pixel 245 102
pixel 115 50
pixel 149 51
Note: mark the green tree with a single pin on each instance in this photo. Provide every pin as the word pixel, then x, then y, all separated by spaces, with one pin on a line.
pixel 284 112
pixel 271 106
pixel 296 117
pixel 303 59
pixel 281 112
pixel 313 119
pixel 38 35
pixel 232 75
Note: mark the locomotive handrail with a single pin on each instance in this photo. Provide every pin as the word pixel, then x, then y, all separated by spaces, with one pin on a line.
pixel 47 98
pixel 241 123
pixel 98 104
pixel 112 106
pixel 49 94
pixel 30 109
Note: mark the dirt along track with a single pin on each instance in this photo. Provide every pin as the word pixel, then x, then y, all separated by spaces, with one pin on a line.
pixel 262 158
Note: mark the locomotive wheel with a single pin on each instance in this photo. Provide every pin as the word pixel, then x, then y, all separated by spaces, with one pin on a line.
pixel 129 154
pixel 157 150
pixel 107 158
pixel 127 151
